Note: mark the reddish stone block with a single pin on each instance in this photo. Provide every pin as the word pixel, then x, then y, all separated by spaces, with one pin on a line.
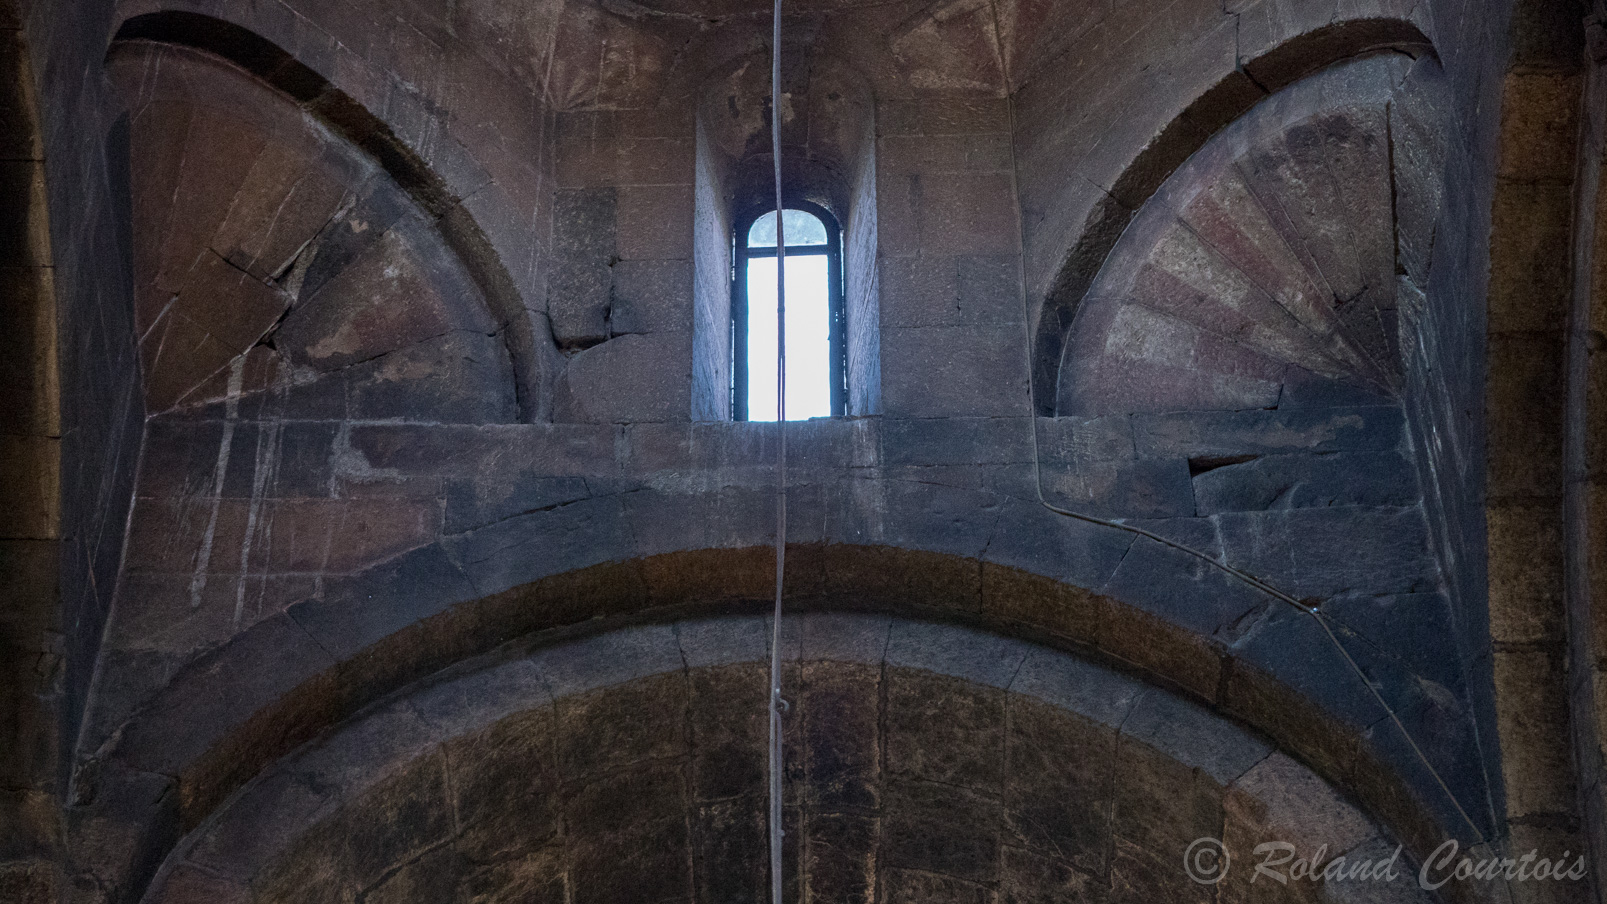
pixel 289 194
pixel 233 306
pixel 385 300
pixel 179 355
pixel 373 530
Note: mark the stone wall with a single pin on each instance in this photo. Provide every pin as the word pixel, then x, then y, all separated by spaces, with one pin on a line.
pixel 72 415
pixel 558 184
pixel 32 644
pixel 951 331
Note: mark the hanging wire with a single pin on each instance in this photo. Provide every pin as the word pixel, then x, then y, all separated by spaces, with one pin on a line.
pixel 776 703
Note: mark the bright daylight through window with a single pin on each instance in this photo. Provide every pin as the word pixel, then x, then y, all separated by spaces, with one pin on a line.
pixel 814 318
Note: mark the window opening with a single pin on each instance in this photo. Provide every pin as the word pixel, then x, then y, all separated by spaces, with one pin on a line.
pixel 816 346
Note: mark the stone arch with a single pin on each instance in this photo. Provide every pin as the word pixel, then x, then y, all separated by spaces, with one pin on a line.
pixel 1279 265
pixel 1230 98
pixel 228 715
pixel 1014 784
pixel 441 213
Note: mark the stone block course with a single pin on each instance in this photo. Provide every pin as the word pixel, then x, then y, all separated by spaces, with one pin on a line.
pixel 1218 434
pixel 386 531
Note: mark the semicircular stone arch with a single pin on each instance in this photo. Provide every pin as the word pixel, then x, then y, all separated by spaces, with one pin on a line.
pixel 925 762
pixel 1268 269
pixel 179 749
pixel 1067 258
pixel 280 266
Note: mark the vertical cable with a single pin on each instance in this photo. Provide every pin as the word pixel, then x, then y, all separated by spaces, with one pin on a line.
pixel 776 703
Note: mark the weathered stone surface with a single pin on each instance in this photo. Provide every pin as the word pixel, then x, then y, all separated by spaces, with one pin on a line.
pixel 1050 762
pixel 650 296
pixel 520 549
pixel 511 769
pixel 1324 552
pixel 843 748
pixel 461 377
pixel 584 224
pixel 1160 804
pixel 266 662
pixel 1091 466
pixel 988 660
pixel 954 372
pixel 387 298
pixel 1277 799
pixel 356 611
pixel 916 836
pixel 1189 735
pixel 945 731
pixel 1208 600
pixel 472 503
pixel 1216 434
pixel 1287 481
pixel 1403 626
pixel 629 379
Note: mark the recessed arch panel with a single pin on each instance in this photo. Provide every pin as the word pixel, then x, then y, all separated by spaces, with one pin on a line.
pixel 1266 268
pixel 336 121
pixel 1225 102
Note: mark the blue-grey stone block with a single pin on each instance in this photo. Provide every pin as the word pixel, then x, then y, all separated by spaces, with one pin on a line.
pixel 955 441
pixel 1307 481
pixel 1293 648
pixel 523 549
pixel 1073 684
pixel 1325 552
pixel 357 610
pixel 1184 589
pixel 1194 736
pixel 1034 539
pixel 1413 627
pixel 475 502
pixel 1197 434
pixel 984 658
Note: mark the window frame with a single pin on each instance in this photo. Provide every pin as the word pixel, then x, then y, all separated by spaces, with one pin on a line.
pixel 836 310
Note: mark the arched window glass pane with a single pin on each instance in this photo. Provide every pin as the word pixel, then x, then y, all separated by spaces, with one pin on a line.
pixel 808 338
pixel 803 229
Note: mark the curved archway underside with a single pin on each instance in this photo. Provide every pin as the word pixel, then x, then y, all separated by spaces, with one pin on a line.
pixel 228 716
pixel 926 762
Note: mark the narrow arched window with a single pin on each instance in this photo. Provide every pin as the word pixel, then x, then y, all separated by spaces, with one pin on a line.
pixel 816 331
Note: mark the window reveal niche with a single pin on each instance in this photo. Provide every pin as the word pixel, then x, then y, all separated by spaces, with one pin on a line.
pixel 816 334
